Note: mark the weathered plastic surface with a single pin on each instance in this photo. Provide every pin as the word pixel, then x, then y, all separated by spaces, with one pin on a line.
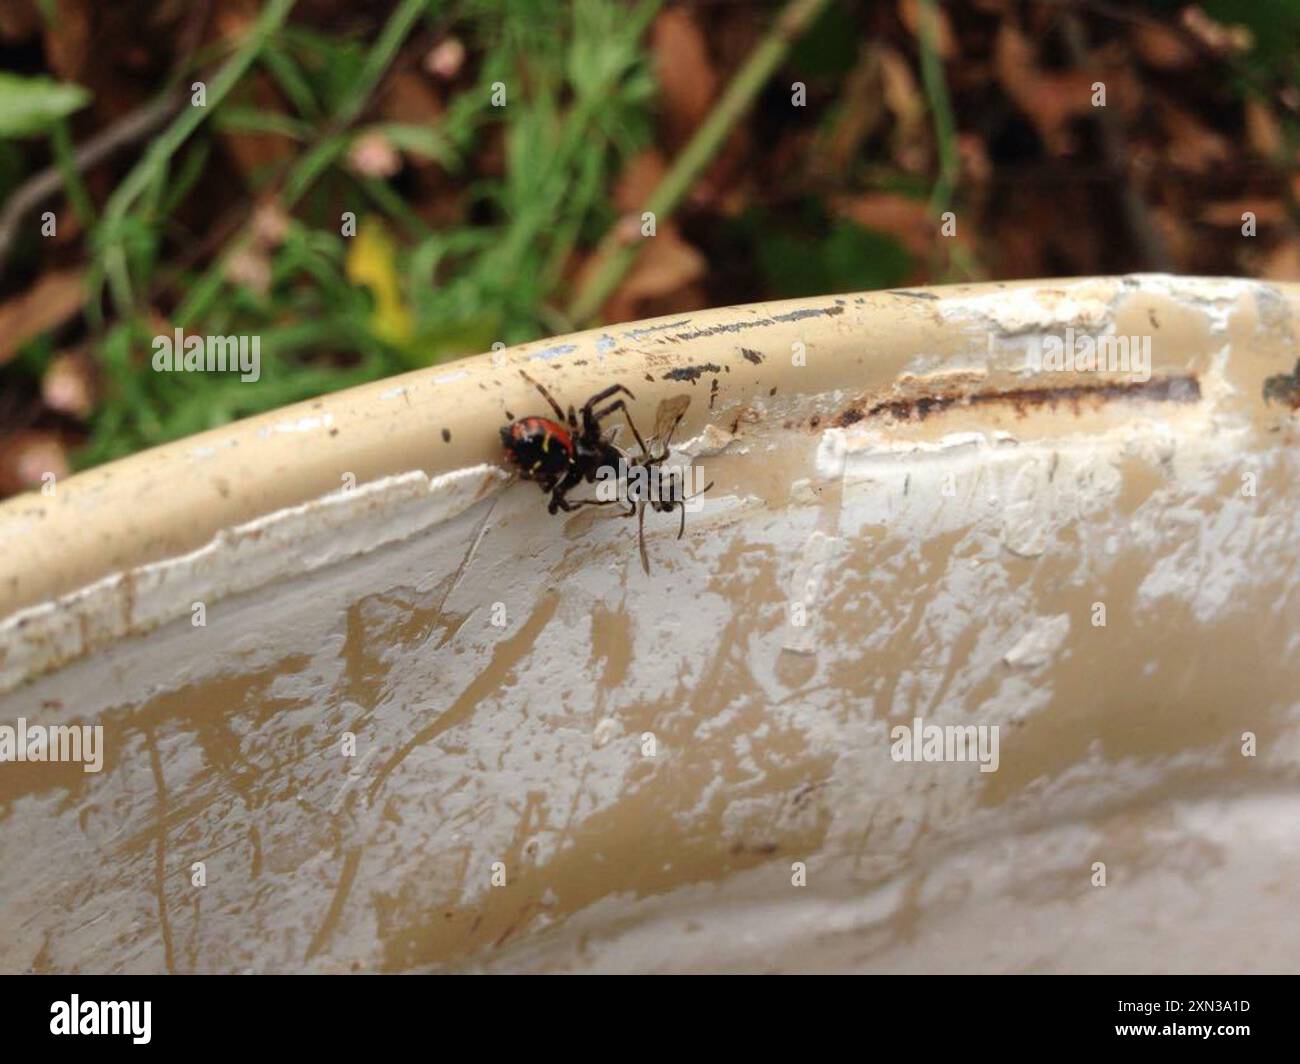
pixel 1102 568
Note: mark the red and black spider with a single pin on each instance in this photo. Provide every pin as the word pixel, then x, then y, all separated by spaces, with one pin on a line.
pixel 561 454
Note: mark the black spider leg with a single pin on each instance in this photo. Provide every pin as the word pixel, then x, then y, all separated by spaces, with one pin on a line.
pixel 673 480
pixel 591 418
pixel 572 478
pixel 684 498
pixel 621 405
pixel 559 412
pixel 682 503
pixel 568 482
pixel 640 536
pixel 597 502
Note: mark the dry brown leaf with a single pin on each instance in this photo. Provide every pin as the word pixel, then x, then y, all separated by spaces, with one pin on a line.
pixel 1262 129
pixel 1228 214
pixel 409 98
pixel 858 111
pixel 19 19
pixel 1048 100
pixel 1216 36
pixel 639 178
pixel 256 153
pixel 234 18
pixel 902 94
pixel 688 84
pixel 26 457
pixel 67 38
pixel 1193 146
pixel 666 263
pixel 888 212
pixel 1176 236
pixel 58 296
pixel 976 167
pixel 1282 263
pixel 911 139
pixel 1161 47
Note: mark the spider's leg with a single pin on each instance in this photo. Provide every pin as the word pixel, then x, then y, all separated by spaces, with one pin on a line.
pixel 682 503
pixel 640 535
pixel 559 413
pixel 589 502
pixel 618 404
pixel 688 498
pixel 567 484
pixel 600 397
pixel 674 501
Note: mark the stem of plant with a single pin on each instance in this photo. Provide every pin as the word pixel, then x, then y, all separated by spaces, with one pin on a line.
pixel 615 257
pixel 936 92
pixel 73 186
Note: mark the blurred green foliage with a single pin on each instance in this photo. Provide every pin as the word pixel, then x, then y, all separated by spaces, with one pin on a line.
pixel 587 108
pixel 334 311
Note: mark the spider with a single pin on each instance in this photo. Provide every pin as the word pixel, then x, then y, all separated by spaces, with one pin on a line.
pixel 560 454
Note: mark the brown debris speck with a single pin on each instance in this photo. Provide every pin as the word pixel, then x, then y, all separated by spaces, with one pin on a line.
pixel 1284 388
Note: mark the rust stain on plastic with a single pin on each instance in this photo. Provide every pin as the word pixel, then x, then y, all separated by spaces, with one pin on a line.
pixel 1179 389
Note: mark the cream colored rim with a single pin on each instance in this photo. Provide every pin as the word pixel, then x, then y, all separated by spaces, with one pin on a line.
pixel 72 562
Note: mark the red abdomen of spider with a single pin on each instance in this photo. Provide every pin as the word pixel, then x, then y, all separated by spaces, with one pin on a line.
pixel 540 449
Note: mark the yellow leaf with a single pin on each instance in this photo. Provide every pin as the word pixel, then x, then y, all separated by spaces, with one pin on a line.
pixel 372 263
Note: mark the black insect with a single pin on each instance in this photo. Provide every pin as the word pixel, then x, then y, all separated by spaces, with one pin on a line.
pixel 675 497
pixel 560 454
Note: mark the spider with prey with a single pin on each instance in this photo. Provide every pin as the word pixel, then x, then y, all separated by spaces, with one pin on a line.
pixel 561 453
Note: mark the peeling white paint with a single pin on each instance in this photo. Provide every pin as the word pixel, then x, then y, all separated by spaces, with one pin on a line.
pixel 296 540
